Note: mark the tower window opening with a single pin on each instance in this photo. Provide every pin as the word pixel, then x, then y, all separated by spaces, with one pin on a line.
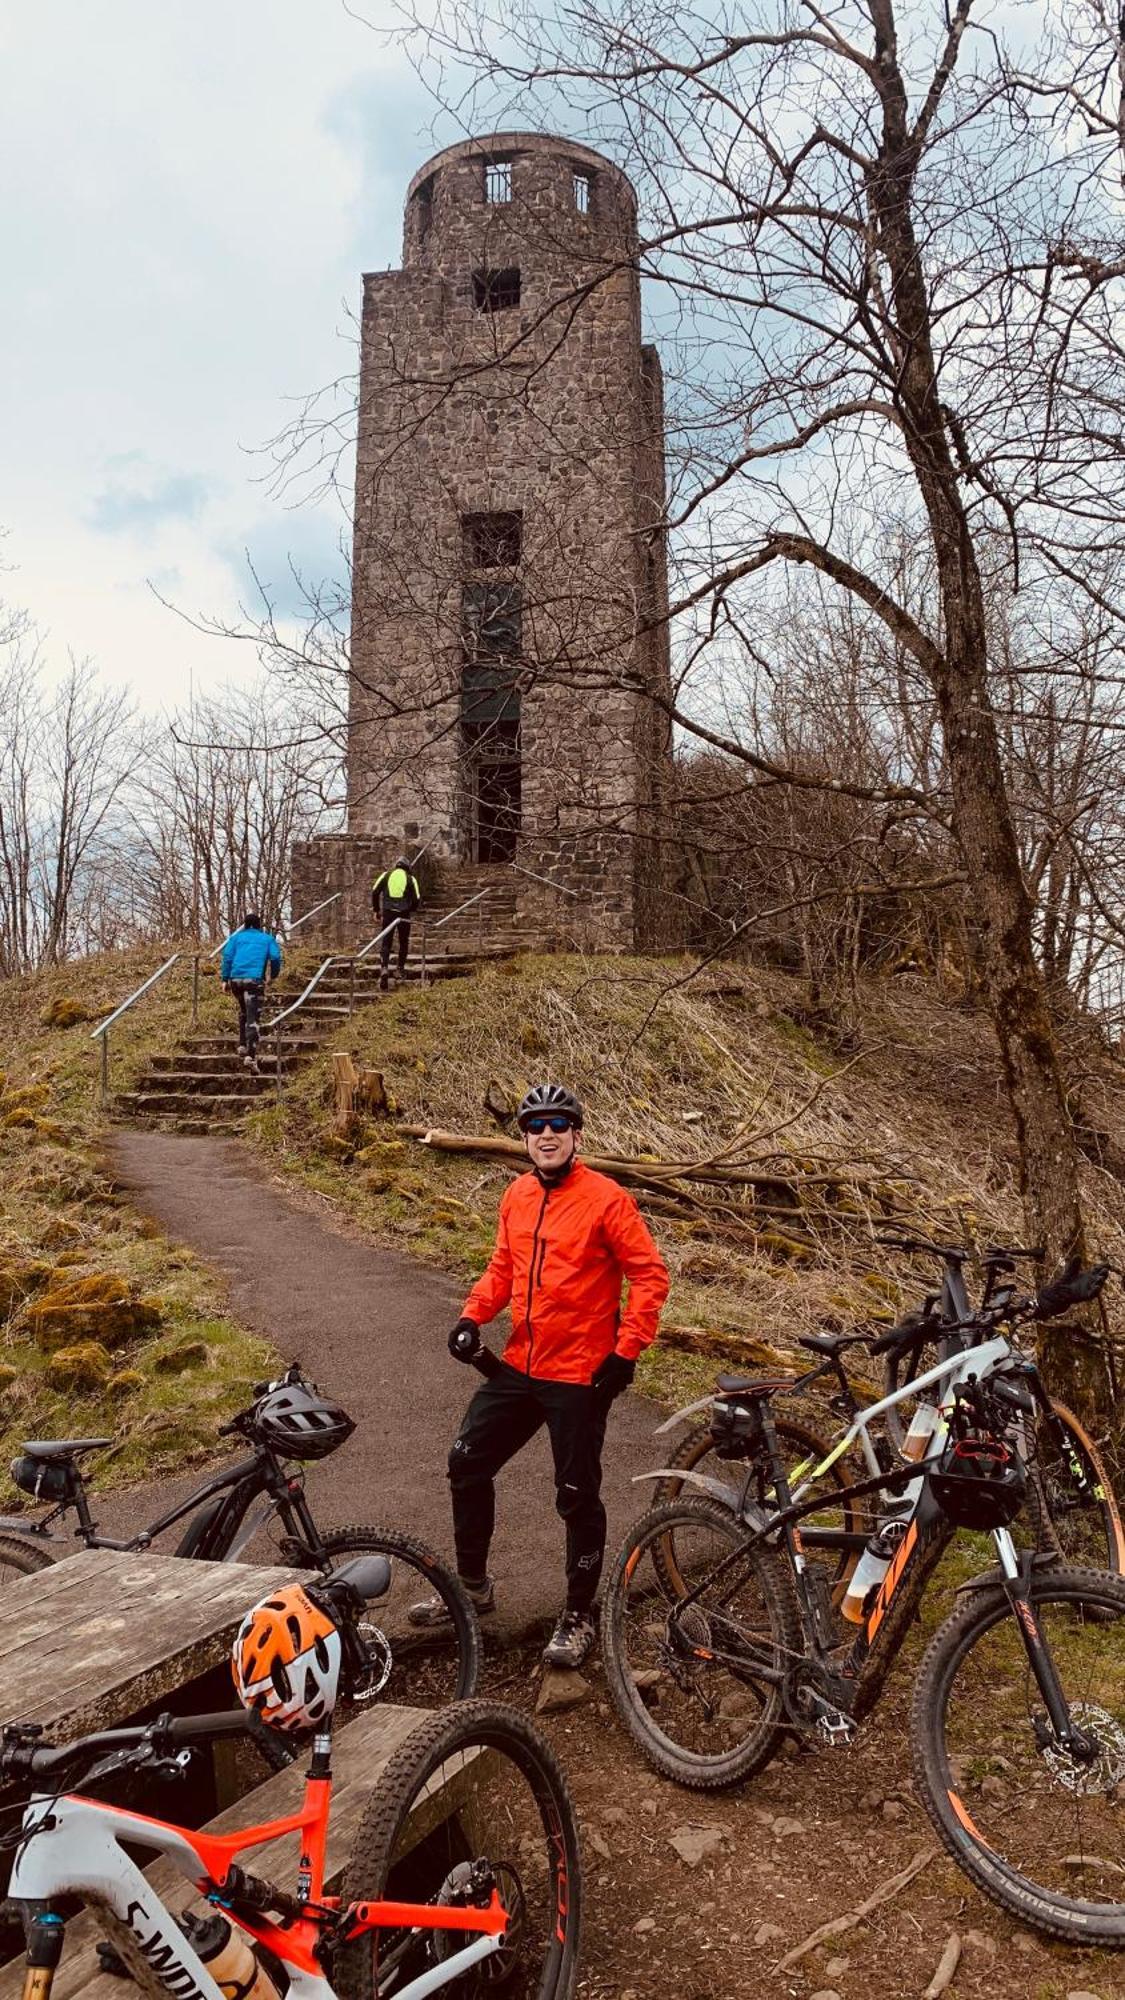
pixel 492 541
pixel 497 180
pixel 491 621
pixel 424 205
pixel 496 291
pixel 583 188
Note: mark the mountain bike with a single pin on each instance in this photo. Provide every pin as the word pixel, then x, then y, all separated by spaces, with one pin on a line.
pixel 464 1874
pixel 1018 1718
pixel 1073 1507
pixel 256 1510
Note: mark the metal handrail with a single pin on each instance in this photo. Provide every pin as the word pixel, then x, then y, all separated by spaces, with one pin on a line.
pixel 546 881
pixel 314 982
pixel 104 1027
pixel 317 907
pixel 377 939
pixel 467 905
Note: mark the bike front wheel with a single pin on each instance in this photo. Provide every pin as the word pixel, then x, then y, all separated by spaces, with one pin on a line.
pixel 419 1668
pixel 690 1677
pixel 472 1807
pixel 1037 1828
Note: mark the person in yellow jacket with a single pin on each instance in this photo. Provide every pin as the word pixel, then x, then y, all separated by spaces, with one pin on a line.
pixel 395 896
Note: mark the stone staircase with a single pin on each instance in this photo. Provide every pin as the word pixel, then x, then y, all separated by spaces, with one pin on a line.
pixel 201 1085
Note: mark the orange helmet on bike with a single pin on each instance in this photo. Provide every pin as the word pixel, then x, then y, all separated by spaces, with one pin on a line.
pixel 286 1661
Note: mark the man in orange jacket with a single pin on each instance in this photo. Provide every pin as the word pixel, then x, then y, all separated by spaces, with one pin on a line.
pixel 567 1238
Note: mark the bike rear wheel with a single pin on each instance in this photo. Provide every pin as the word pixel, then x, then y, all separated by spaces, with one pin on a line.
pixel 21 1557
pixel 418 1668
pixel 1035 1828
pixel 477 1786
pixel 802 1450
pixel 681 1673
pixel 1071 1496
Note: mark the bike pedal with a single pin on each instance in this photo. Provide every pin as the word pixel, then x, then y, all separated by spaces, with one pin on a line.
pixel 835 1728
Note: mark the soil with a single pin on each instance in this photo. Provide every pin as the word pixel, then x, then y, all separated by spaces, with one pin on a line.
pixel 804 1843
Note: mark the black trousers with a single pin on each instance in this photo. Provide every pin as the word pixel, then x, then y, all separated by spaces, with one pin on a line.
pixel 249 993
pixel 503 1416
pixel 402 933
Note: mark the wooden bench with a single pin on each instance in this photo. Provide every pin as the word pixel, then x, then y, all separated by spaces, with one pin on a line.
pixel 361 1751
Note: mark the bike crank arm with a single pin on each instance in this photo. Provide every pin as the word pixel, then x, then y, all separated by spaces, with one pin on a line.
pixel 1017 1575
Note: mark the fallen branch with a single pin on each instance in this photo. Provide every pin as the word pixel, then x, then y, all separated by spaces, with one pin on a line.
pixel 836 1926
pixel 946 1967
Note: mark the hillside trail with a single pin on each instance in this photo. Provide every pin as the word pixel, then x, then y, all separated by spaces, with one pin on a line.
pixel 370 1326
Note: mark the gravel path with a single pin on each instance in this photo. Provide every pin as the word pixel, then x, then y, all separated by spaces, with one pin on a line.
pixel 370 1325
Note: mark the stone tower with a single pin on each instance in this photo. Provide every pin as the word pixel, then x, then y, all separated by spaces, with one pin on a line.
pixel 509 579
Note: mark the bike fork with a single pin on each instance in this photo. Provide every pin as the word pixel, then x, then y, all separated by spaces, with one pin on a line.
pixel 44 1949
pixel 1017 1588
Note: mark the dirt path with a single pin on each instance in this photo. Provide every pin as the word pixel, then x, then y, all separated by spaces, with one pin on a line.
pixel 370 1325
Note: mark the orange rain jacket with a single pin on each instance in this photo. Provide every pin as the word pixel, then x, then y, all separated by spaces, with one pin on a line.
pixel 561 1254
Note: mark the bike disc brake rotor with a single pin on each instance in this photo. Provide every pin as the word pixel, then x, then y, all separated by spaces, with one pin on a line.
pixel 1105 1770
pixel 380 1660
pixel 497 1969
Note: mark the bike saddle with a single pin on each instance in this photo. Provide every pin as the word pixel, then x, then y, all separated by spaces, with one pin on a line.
pixel 50 1450
pixel 752 1385
pixel 829 1343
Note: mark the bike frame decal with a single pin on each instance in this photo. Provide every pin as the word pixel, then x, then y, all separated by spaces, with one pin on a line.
pixel 891 1580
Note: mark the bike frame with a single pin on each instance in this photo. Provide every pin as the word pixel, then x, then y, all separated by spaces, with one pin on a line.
pixel 227 1519
pixel 77 1846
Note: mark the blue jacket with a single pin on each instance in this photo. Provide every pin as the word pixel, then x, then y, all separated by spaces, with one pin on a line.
pixel 247 954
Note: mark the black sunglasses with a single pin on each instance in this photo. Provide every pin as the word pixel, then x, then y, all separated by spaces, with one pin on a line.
pixel 538 1125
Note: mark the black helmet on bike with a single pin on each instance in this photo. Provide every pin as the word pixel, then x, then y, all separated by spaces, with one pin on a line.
pixel 980 1483
pixel 550 1100
pixel 299 1422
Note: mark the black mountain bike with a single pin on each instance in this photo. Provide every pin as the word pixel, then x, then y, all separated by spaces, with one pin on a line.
pixel 1073 1510
pixel 256 1510
pixel 1018 1718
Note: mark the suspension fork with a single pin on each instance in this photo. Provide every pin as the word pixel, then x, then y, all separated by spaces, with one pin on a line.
pixel 45 1933
pixel 1016 1573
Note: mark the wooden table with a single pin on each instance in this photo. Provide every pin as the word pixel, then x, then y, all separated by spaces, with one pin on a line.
pixel 87 1643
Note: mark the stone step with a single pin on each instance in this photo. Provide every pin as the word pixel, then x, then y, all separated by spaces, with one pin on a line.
pixel 296 1044
pixel 207 1083
pixel 184 1103
pixel 228 1063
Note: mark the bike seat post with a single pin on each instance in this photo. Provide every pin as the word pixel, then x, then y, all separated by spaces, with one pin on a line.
pixel 87 1526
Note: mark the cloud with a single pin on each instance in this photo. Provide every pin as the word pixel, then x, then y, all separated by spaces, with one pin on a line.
pixel 288 558
pixel 125 507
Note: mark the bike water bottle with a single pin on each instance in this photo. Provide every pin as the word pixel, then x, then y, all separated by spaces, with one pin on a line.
pixel 229 1956
pixel 925 1421
pixel 869 1571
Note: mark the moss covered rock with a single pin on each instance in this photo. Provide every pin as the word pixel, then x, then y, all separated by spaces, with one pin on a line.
pixel 20 1277
pixel 8 1375
pixel 86 1365
pixel 99 1306
pixel 178 1359
pixel 64 1012
pixel 125 1383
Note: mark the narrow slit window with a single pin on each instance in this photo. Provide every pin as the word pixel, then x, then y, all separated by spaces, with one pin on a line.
pixel 492 541
pixel 497 180
pixel 424 206
pixel 582 192
pixel 496 291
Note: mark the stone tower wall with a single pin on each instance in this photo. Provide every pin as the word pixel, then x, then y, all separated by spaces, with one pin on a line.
pixel 552 410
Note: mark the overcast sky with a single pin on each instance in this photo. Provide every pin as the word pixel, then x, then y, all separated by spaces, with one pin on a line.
pixel 191 190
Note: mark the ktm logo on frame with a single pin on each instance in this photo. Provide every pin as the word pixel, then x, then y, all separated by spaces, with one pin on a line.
pixel 890 1582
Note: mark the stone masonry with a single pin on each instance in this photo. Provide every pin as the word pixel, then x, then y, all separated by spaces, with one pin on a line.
pixel 509 559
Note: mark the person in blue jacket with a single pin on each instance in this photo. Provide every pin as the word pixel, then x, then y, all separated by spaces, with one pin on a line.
pixel 250 957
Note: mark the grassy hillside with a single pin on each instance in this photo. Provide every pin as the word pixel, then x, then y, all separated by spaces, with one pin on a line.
pixel 902 1116
pixel 104 1326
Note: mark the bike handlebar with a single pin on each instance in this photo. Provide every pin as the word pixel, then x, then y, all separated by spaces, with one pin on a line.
pixel 22 1756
